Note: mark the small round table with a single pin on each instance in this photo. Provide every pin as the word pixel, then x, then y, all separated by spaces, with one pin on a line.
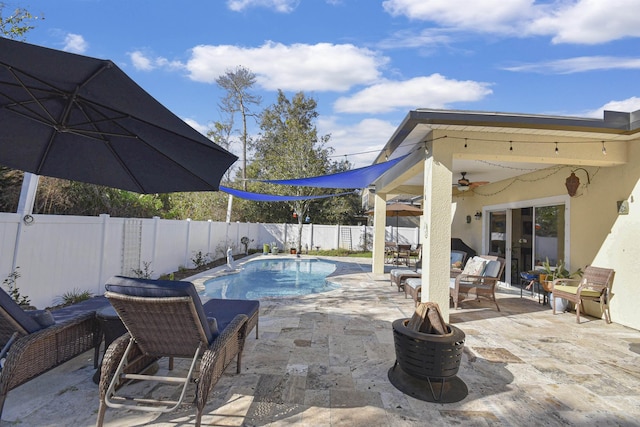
pixel 111 327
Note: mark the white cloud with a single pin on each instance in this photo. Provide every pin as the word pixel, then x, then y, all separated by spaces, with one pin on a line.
pixel 579 64
pixel 626 105
pixel 495 16
pixel 203 129
pixel 75 43
pixel 565 21
pixel 434 91
pixel 143 62
pixel 361 141
pixel 281 6
pixel 297 67
pixel 589 21
pixel 432 38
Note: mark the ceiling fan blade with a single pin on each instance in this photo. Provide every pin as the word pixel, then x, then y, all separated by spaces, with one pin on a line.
pixel 478 183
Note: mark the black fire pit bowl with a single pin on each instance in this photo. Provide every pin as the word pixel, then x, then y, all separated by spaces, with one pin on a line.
pixel 427 364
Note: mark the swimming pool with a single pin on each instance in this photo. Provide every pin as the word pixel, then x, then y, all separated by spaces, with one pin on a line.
pixel 267 278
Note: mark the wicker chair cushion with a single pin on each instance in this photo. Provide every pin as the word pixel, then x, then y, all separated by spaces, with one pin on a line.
pixel 414 282
pixel 224 310
pixel 18 314
pixel 396 272
pixel 474 266
pixel 161 289
pixel 492 269
pixel 71 312
pixel 574 290
pixel 43 317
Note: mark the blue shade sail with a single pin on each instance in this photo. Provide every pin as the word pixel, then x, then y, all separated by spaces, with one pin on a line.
pixel 355 178
pixel 258 197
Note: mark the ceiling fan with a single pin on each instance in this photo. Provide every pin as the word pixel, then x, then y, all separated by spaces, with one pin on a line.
pixel 465 185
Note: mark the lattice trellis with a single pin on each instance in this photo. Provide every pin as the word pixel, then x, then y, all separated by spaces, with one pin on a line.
pixel 131 246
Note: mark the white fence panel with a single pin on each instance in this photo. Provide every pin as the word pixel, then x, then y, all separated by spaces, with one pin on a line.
pixel 57 250
pixel 170 246
pixel 8 229
pixel 60 254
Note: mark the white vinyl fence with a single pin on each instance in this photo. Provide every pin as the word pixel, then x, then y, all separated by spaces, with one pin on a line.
pixel 57 254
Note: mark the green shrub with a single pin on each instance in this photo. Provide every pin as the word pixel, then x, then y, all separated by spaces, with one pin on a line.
pixel 75 296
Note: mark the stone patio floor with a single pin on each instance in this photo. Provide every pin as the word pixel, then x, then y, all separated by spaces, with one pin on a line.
pixel 323 360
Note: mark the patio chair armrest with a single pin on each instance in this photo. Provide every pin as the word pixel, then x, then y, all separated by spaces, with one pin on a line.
pixel 110 360
pixel 586 285
pixel 469 278
pixel 36 353
pixel 565 281
pixel 237 327
pixel 220 354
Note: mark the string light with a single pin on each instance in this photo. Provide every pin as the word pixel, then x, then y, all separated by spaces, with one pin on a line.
pixel 466 145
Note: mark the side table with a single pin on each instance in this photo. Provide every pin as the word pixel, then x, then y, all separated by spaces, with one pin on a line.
pixel 111 327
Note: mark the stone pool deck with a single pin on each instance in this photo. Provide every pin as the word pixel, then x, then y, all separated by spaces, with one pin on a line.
pixel 322 360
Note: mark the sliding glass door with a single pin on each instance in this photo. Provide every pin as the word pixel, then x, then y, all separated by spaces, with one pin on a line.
pixel 527 234
pixel 549 234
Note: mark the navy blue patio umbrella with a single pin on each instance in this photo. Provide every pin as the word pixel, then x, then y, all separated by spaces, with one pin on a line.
pixel 80 118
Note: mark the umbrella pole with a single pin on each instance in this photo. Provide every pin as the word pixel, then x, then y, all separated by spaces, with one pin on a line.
pixel 397 241
pixel 28 193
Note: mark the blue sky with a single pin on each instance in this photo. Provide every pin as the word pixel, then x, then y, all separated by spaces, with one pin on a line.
pixel 366 62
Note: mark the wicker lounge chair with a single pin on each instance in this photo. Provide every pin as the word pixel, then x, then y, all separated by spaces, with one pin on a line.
pixel 410 282
pixel 480 277
pixel 399 275
pixel 39 347
pixel 165 319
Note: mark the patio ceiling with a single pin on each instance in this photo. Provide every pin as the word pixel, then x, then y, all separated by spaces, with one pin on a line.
pixel 529 143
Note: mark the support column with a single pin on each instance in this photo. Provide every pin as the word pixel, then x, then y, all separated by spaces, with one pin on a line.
pixel 436 228
pixel 379 231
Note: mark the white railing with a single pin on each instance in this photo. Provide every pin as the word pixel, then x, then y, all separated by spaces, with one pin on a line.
pixel 56 254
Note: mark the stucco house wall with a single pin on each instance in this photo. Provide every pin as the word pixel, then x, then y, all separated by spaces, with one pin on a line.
pixel 599 235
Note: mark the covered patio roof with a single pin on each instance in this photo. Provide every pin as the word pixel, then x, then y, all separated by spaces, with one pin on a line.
pixel 521 143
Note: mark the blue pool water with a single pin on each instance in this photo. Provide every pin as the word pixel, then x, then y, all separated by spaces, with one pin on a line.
pixel 269 278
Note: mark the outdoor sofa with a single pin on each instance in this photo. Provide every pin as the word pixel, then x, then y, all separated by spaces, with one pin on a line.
pixel 33 348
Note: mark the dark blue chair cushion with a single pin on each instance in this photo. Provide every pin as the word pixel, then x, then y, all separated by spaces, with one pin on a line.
pixel 72 311
pixel 136 287
pixel 43 317
pixel 17 313
pixel 224 310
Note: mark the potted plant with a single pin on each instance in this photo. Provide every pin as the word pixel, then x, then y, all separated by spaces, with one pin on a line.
pixel 557 272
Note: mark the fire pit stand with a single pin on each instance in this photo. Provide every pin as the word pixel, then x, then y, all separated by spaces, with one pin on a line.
pixel 426 364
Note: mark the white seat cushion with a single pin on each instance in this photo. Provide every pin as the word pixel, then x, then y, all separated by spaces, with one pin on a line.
pixel 491 269
pixel 414 282
pixel 404 271
pixel 475 266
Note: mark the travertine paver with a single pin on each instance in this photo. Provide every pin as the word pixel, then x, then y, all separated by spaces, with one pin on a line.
pixel 323 360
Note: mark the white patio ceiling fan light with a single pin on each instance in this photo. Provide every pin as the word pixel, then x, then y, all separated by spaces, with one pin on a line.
pixel 464 184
